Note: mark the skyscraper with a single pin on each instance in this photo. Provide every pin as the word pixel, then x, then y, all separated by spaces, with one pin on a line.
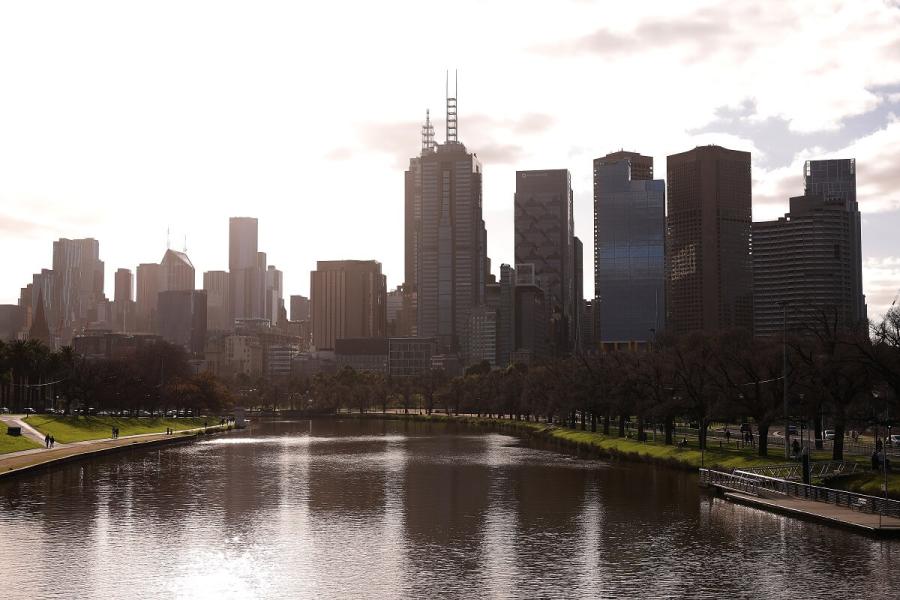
pixel 78 279
pixel 247 280
pixel 809 261
pixel 182 318
pixel 176 272
pixel 545 238
pixel 578 298
pixel 148 278
pixel 450 247
pixel 348 300
pixel 629 247
pixel 708 267
pixel 274 294
pixel 835 181
pixel 299 308
pixel 218 301
pixel 124 291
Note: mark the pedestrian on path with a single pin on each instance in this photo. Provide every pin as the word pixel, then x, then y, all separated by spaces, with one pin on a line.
pixel 47 440
pixel 52 441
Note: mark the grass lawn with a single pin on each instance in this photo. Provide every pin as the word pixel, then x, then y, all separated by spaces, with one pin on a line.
pixel 14 443
pixel 868 483
pixel 725 458
pixel 79 429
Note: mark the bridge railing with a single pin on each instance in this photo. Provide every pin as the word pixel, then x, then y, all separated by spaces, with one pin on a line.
pixel 794 471
pixel 762 485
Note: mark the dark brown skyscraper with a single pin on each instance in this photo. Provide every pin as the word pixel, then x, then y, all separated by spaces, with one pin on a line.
pixel 348 300
pixel 709 271
pixel 641 166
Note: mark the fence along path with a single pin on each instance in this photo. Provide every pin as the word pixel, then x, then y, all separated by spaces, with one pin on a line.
pixel 872 513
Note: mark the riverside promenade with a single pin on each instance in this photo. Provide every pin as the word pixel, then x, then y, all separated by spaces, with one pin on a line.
pixel 14 463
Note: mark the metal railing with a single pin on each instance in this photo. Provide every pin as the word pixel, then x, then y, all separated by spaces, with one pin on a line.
pixel 794 471
pixel 764 486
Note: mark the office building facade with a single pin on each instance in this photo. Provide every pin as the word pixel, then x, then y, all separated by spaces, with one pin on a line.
pixel 545 238
pixel 348 300
pixel 182 318
pixel 709 270
pixel 217 286
pixel 629 247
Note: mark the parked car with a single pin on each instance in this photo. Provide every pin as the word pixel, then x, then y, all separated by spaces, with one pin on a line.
pixel 4 410
pixel 28 411
pixel 894 439
pixel 792 430
pixel 828 434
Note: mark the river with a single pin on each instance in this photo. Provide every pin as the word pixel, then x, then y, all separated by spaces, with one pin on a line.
pixel 391 509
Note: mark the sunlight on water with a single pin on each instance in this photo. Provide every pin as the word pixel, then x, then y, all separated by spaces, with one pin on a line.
pixel 336 509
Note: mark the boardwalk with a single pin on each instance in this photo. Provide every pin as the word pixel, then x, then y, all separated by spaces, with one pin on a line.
pixel 822 511
pixel 870 514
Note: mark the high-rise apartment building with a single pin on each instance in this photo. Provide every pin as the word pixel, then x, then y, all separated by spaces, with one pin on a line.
pixel 545 238
pixel 450 241
pixel 248 280
pixel 835 181
pixel 78 281
pixel 218 301
pixel 809 261
pixel 629 247
pixel 348 300
pixel 709 271
pixel 579 294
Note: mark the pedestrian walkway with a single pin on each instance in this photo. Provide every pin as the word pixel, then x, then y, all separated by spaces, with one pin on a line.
pixel 26 459
pixel 838 515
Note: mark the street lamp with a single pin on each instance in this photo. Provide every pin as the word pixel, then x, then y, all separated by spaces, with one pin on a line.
pixel 787 439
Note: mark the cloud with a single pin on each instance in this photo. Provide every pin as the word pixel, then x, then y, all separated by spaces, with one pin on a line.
pixel 479 132
pixel 499 154
pixel 877 175
pixel 881 278
pixel 13 226
pixel 779 144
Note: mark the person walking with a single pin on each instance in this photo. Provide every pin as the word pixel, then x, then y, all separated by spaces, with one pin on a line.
pixel 47 440
pixel 52 441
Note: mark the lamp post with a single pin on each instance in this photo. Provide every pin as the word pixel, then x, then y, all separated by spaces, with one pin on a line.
pixel 787 438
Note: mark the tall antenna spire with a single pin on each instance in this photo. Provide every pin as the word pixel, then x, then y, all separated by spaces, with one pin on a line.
pixel 427 134
pixel 451 109
pixel 185 243
pixel 168 239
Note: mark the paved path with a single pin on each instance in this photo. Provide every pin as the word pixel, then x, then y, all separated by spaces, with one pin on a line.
pixel 27 430
pixel 823 511
pixel 24 459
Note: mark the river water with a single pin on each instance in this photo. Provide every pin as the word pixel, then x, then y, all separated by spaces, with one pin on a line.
pixel 387 509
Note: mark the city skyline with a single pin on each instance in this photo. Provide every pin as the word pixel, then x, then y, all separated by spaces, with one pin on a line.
pixel 201 162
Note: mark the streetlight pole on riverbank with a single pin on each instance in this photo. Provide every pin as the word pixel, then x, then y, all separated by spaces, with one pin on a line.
pixel 787 450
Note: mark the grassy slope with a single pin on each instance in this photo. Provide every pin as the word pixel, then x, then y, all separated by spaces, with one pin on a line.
pixel 14 443
pixel 78 429
pixel 868 483
pixel 688 458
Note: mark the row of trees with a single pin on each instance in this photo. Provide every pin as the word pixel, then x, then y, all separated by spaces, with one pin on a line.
pixel 156 378
pixel 836 376
pixel 847 378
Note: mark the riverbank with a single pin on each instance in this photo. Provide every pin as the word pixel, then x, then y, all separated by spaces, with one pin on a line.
pixel 596 444
pixel 870 483
pixel 68 430
pixel 30 460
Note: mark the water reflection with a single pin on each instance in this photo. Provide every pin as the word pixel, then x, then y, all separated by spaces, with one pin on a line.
pixel 383 509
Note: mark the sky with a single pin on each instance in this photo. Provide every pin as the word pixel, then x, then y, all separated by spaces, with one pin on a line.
pixel 123 121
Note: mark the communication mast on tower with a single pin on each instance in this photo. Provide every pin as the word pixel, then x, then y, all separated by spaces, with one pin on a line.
pixel 427 134
pixel 451 108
